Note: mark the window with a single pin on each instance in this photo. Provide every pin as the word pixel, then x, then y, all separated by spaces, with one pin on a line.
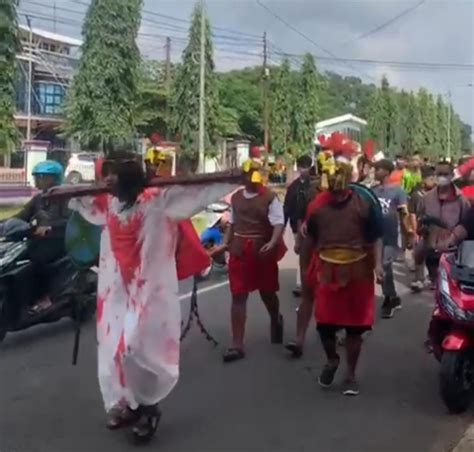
pixel 50 97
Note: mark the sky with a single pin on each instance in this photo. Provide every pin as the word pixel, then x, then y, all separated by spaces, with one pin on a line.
pixel 429 31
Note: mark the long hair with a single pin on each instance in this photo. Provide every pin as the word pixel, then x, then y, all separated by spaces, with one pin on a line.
pixel 131 181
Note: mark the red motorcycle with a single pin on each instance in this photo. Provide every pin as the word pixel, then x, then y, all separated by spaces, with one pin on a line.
pixel 451 331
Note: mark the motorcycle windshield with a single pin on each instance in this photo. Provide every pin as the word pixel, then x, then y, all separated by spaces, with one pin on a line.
pixel 466 254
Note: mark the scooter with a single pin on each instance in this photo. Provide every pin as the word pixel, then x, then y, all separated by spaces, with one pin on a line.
pixel 451 331
pixel 213 237
pixel 73 291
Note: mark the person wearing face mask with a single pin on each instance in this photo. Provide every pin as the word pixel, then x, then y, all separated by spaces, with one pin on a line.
pixel 255 243
pixel 397 174
pixel 446 204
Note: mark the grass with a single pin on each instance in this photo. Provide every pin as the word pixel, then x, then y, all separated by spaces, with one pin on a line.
pixel 8 211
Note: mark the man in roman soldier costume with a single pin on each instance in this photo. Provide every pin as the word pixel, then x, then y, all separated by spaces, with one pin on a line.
pixel 341 253
pixel 145 248
pixel 255 243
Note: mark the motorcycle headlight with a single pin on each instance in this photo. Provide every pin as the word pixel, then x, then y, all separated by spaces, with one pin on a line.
pixel 444 283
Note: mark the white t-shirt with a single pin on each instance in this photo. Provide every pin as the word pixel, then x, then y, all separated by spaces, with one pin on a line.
pixel 275 210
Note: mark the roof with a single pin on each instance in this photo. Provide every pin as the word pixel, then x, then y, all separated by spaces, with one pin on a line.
pixel 53 36
pixel 340 119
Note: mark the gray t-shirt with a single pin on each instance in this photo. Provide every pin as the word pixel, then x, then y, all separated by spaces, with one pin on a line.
pixel 392 198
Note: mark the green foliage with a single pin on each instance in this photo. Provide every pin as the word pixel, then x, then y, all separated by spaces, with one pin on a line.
pixel 455 134
pixel 185 96
pixel 9 46
pixel 383 118
pixel 282 90
pixel 306 104
pixel 427 124
pixel 240 91
pixel 151 109
pixel 101 103
pixel 442 124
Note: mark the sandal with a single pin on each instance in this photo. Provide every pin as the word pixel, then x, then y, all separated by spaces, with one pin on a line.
pixel 147 423
pixel 295 349
pixel 118 418
pixel 233 354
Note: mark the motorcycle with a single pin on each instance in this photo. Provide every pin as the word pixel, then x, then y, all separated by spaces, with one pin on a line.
pixel 213 236
pixel 73 290
pixel 451 331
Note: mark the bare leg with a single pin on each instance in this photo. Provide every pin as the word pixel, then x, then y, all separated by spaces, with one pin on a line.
pixel 238 318
pixel 272 303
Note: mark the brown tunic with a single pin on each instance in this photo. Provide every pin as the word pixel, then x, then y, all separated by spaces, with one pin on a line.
pixel 251 220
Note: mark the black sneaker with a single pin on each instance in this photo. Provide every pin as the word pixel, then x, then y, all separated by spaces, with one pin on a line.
pixel 387 309
pixel 350 387
pixel 328 373
pixel 396 303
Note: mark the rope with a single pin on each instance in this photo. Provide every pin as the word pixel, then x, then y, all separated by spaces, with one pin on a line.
pixel 194 315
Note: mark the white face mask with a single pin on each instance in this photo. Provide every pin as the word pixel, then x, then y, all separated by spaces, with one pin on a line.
pixel 443 181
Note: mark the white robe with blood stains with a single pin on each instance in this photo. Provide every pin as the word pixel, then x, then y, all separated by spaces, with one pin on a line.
pixel 138 309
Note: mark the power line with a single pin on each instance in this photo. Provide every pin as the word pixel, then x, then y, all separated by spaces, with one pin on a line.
pixel 388 22
pixel 304 36
pixel 407 64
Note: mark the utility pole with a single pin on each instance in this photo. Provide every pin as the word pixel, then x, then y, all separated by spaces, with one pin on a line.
pixel 266 134
pixel 168 85
pixel 449 126
pixel 30 77
pixel 202 89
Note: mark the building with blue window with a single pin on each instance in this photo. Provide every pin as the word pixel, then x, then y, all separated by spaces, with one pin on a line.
pixel 54 59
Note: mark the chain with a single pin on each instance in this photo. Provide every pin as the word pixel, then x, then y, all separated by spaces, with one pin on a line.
pixel 194 314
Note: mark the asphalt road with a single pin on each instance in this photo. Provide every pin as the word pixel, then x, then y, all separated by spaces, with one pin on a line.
pixel 264 403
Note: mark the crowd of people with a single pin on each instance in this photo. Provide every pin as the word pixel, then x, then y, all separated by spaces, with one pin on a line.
pixel 348 232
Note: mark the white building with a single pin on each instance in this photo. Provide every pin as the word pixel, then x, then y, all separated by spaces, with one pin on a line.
pixel 350 125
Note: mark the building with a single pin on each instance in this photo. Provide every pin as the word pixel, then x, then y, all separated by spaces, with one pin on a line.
pixel 352 126
pixel 50 59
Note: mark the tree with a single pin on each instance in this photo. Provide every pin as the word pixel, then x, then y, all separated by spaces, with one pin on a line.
pixel 426 139
pixel 100 107
pixel 282 110
pixel 442 125
pixel 307 104
pixel 185 96
pixel 383 117
pixel 152 103
pixel 9 46
pixel 455 134
pixel 240 91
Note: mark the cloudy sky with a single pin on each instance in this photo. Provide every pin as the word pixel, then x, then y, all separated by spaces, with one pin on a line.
pixel 430 31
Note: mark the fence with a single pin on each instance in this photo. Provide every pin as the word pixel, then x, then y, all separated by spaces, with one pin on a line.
pixel 12 176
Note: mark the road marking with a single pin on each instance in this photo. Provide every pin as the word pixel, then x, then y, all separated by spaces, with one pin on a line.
pixel 205 289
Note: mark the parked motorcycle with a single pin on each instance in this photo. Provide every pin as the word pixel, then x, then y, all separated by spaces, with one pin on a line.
pixel 73 290
pixel 451 331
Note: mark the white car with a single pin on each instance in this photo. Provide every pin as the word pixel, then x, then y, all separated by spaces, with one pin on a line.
pixel 81 168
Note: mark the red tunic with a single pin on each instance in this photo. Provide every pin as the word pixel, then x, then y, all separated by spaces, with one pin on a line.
pixel 352 304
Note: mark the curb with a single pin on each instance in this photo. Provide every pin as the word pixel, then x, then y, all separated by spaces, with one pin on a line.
pixel 467 441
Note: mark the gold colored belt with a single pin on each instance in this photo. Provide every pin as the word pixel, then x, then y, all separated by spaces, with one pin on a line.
pixel 248 236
